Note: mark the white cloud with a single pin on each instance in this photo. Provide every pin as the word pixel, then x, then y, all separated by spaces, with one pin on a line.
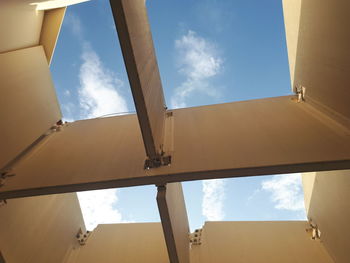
pixel 286 191
pixel 198 61
pixel 74 24
pixel 98 207
pixel 68 109
pixel 218 14
pixel 213 199
pixel 98 91
pixel 67 92
pixel 98 96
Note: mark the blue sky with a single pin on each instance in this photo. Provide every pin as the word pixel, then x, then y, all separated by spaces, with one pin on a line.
pixel 208 52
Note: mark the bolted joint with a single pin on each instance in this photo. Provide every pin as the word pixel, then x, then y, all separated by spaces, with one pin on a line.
pixel 196 237
pixel 300 92
pixel 82 237
pixel 57 127
pixel 313 231
pixel 3 202
pixel 4 176
pixel 157 162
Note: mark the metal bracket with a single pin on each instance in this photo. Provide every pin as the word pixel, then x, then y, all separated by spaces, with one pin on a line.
pixel 314 231
pixel 3 202
pixel 82 237
pixel 300 92
pixel 196 237
pixel 157 162
pixel 4 176
pixel 58 126
pixel 161 159
pixel 5 171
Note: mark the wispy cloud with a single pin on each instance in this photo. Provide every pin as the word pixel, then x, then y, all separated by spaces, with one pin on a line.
pixel 198 61
pixel 67 93
pixel 286 191
pixel 213 199
pixel 99 207
pixel 98 94
pixel 219 14
pixel 73 22
pixel 98 91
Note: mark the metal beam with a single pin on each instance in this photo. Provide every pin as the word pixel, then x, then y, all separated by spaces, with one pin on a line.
pixel 136 42
pixel 258 137
pixel 172 210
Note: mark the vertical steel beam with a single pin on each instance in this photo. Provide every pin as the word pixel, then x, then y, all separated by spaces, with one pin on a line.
pixel 136 42
pixel 172 210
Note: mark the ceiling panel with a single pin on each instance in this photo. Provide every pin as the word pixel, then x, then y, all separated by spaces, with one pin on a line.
pixel 28 103
pixel 258 137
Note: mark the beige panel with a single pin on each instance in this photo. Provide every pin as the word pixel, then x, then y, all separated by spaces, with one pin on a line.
pixel 20 25
pixel 257 133
pixel 39 229
pixel 140 60
pixel 172 209
pixel 267 136
pixel 330 210
pixel 50 30
pixel 126 243
pixel 308 185
pixel 28 104
pixel 49 4
pixel 323 56
pixel 291 13
pixel 258 242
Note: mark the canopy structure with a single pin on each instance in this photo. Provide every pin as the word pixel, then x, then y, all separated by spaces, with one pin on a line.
pixel 305 132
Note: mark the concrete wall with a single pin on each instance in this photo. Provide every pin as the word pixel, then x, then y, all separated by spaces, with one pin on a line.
pixel 28 103
pixel 27 23
pixel 222 242
pixel 327 196
pixel 127 243
pixel 322 55
pixel 42 229
pixel 321 61
pixel 20 25
pixel 39 229
pixel 258 242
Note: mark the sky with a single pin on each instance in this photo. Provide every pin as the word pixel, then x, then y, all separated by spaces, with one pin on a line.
pixel 209 52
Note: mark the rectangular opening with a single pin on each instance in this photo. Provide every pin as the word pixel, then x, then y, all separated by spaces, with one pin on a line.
pixel 212 52
pixel 259 198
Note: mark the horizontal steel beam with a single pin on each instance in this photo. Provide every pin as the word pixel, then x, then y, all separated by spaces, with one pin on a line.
pixel 258 137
